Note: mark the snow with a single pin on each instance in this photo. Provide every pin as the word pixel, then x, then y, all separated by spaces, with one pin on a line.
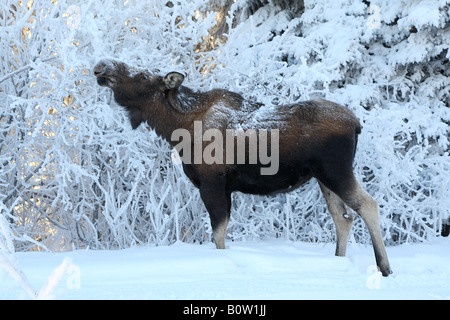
pixel 275 269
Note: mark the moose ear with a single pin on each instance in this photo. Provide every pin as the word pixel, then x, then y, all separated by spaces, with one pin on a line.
pixel 173 80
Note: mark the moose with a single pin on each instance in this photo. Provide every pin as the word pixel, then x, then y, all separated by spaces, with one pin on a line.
pixel 316 139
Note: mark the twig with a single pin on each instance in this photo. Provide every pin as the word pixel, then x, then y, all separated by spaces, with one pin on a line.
pixel 17 190
pixel 27 67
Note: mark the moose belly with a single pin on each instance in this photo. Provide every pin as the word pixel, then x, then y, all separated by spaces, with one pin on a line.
pixel 249 180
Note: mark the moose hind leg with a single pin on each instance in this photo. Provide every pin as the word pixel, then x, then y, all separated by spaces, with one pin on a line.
pixel 361 202
pixel 341 218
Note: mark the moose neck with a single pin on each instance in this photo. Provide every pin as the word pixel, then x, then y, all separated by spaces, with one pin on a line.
pixel 161 117
pixel 165 112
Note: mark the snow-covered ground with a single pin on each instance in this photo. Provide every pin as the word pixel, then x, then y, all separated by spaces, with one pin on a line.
pixel 246 270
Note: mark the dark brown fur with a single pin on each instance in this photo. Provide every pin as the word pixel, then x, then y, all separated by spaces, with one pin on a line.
pixel 317 139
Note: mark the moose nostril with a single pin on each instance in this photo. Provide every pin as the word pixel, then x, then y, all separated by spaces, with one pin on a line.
pixel 104 68
pixel 98 70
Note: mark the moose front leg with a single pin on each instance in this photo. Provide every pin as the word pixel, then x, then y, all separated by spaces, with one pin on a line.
pixel 217 202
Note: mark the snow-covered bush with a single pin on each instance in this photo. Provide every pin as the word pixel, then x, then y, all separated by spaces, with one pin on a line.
pixel 73 174
pixel 389 64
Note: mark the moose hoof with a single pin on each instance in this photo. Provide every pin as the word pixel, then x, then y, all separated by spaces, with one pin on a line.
pixel 387 272
pixel 220 246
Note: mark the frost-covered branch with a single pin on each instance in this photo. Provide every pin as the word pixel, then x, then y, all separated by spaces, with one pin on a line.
pixel 22 69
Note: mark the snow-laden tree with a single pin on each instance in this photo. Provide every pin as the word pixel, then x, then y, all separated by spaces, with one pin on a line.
pixel 73 174
pixel 72 171
pixel 386 61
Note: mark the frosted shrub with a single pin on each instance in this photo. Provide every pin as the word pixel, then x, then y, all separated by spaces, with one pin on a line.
pixel 73 174
pixel 392 74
